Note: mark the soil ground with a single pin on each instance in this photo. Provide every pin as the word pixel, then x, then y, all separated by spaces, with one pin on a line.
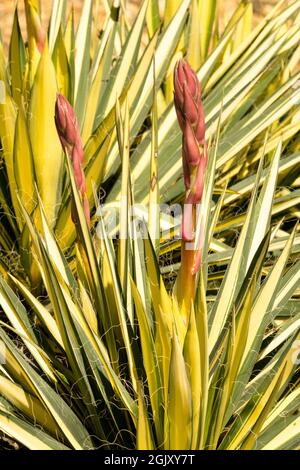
pixel 261 7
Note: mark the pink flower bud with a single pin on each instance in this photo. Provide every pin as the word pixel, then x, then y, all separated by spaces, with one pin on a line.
pixel 180 117
pixel 77 153
pixel 191 111
pixel 195 194
pixel 68 131
pixel 66 121
pixel 186 170
pixel 191 148
pixel 192 81
pixel 190 114
pixel 78 175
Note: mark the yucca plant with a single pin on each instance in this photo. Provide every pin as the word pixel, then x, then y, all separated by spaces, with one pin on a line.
pixel 100 346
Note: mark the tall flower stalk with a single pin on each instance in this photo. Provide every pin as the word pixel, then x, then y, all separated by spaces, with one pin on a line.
pixel 190 115
pixel 68 131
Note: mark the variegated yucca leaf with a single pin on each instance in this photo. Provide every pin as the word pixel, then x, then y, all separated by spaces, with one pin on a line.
pixel 96 352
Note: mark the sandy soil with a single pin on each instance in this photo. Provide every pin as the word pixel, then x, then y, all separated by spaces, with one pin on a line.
pixel 7 7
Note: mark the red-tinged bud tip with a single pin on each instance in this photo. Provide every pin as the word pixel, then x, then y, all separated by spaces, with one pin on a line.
pixel 77 153
pixel 41 39
pixel 195 191
pixel 66 121
pixel 78 173
pixel 34 24
pixel 68 132
pixel 184 74
pixel 191 147
pixel 190 106
pixel 190 115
